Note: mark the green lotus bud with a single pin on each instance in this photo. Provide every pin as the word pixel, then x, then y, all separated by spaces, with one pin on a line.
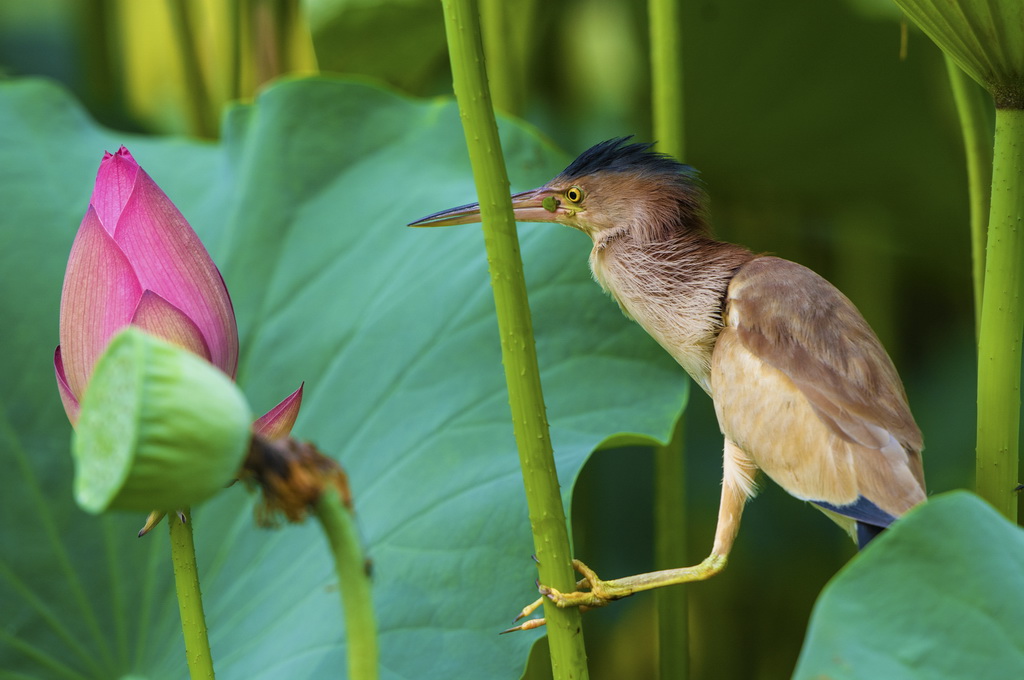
pixel 159 428
pixel 984 37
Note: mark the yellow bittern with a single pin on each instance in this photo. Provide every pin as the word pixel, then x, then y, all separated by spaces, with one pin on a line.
pixel 802 387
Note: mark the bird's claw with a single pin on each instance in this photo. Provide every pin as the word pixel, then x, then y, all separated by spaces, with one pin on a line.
pixel 527 610
pixel 526 625
pixel 597 594
pixel 530 608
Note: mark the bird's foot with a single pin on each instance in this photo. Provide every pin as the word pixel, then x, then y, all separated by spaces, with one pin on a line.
pixel 590 592
pixel 593 592
pixel 598 593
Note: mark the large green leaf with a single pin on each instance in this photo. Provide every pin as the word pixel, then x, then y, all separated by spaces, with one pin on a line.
pixel 938 596
pixel 304 207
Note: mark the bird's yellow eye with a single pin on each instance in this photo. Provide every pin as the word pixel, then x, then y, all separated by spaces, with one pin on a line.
pixel 574 194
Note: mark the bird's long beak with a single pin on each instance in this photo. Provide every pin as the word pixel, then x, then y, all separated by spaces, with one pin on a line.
pixel 535 205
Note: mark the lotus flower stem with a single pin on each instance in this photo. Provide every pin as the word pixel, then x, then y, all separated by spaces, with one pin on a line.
pixel 507 29
pixel 986 39
pixel 190 599
pixel 663 17
pixel 667 75
pixel 494 16
pixel 294 478
pixel 354 584
pixel 1002 321
pixel 518 351
pixel 972 104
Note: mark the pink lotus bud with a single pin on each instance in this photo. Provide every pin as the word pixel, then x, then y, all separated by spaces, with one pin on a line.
pixel 137 261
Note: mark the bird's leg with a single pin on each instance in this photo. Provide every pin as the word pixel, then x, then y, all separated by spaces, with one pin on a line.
pixel 600 593
pixel 591 591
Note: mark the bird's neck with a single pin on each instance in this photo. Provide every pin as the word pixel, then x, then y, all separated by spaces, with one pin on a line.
pixel 674 286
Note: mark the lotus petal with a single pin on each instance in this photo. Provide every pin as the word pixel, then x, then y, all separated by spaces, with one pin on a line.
pixel 71 405
pixel 277 423
pixel 99 297
pixel 114 184
pixel 164 320
pixel 170 260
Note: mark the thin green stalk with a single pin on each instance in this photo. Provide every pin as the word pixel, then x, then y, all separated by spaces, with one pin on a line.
pixel 669 461
pixel 667 75
pixel 505 51
pixel 190 599
pixel 519 354
pixel 670 552
pixel 509 30
pixel 500 61
pixel 354 585
pixel 1002 321
pixel 972 104
pixel 200 109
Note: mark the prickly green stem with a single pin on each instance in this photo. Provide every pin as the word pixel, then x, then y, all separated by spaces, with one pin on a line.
pixel 495 17
pixel 354 584
pixel 667 76
pixel 519 354
pixel 1002 321
pixel 669 460
pixel 190 599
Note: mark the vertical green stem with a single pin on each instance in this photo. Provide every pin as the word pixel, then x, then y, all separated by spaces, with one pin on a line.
pixel 519 354
pixel 670 552
pixel 509 31
pixel 1002 321
pixel 667 75
pixel 190 599
pixel 501 63
pixel 972 103
pixel 669 461
pixel 354 584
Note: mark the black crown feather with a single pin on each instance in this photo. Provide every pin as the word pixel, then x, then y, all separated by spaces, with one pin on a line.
pixel 615 155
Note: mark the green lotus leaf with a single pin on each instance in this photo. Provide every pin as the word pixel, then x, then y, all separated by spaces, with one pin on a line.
pixel 303 207
pixel 939 595
pixel 985 37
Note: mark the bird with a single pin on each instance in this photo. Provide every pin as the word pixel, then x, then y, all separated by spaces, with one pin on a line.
pixel 803 389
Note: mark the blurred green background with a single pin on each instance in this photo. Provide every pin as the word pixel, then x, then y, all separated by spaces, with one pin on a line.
pixel 816 140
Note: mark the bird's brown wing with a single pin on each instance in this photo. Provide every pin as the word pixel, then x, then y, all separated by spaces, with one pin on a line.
pixel 803 385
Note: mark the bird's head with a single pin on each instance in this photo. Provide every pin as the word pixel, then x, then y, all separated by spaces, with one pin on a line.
pixel 610 188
